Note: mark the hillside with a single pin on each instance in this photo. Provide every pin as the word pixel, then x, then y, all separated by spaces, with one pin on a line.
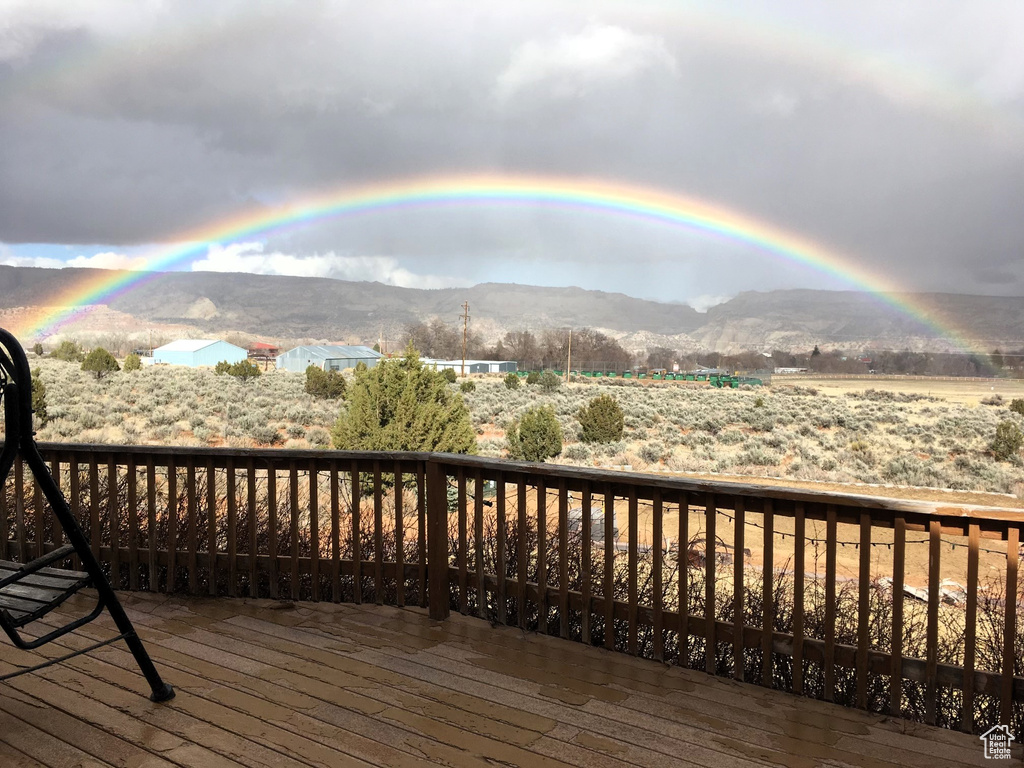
pixel 319 308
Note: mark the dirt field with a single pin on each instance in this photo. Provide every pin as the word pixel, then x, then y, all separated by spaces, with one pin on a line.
pixel 966 391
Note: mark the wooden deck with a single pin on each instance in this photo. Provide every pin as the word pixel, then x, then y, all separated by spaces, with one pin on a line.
pixel 264 683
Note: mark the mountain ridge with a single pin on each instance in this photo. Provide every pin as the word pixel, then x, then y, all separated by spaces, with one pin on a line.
pixel 284 307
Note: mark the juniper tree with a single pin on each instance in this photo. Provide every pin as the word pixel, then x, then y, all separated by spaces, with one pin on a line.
pixel 601 421
pixel 100 362
pixel 536 436
pixel 400 405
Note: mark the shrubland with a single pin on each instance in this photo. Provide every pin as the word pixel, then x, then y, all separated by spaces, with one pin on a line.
pixel 868 436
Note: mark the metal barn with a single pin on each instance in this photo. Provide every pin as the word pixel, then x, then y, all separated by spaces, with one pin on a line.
pixel 473 366
pixel 198 352
pixel 327 357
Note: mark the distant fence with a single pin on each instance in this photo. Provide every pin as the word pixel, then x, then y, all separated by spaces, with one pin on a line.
pixel 906 608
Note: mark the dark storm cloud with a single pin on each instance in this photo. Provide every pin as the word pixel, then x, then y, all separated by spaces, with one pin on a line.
pixel 127 126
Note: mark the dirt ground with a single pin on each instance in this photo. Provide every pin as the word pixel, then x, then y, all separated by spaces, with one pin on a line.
pixel 966 391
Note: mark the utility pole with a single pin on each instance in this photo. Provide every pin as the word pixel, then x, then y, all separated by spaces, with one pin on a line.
pixel 568 362
pixel 465 333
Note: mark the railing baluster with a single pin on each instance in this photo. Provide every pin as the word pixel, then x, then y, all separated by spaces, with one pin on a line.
pixel 38 520
pixel 251 507
pixel 830 602
pixel 95 532
pixel 683 564
pixel 542 556
pixel 631 566
pixel 563 559
pixel 521 550
pixel 272 528
pixel 75 503
pixel 898 568
pixel 586 560
pixel 609 568
pixel 113 520
pixel 932 641
pixel 357 543
pixel 462 512
pixel 421 513
pixel 478 543
pixel 232 502
pixel 133 523
pixel 4 532
pixel 172 524
pixel 970 627
pixel 501 546
pixel 55 532
pixel 314 530
pixel 437 536
pixel 211 524
pixel 400 537
pixel 190 501
pixel 378 536
pixel 658 554
pixel 1009 624
pixel 336 533
pixel 768 598
pixel 739 525
pixel 863 609
pixel 799 565
pixel 710 542
pixel 19 512
pixel 293 528
pixel 152 541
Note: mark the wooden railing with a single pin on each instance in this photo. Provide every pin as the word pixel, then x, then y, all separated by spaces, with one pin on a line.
pixel 903 607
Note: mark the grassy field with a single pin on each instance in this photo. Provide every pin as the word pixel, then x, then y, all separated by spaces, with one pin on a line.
pixel 896 434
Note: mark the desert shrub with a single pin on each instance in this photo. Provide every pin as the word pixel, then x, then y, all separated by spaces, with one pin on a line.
pixel 319 437
pixel 68 351
pixel 400 405
pixel 266 434
pixel 467 386
pixel 1007 442
pixel 652 452
pixel 536 436
pixel 511 381
pixel 601 421
pixel 324 385
pixel 996 399
pixel 37 348
pixel 296 430
pixel 100 362
pixel 576 452
pixel 132 363
pixel 533 377
pixel 550 381
pixel 449 375
pixel 245 370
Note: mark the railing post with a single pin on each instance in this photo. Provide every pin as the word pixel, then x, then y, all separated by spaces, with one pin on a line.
pixel 437 540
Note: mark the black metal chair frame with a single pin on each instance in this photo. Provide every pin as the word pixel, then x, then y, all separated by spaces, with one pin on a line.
pixel 19 440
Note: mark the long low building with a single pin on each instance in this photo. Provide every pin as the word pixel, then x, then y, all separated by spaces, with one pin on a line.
pixel 474 366
pixel 198 352
pixel 327 358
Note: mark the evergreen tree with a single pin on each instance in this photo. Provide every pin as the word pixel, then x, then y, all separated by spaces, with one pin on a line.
pixel 536 436
pixel 601 421
pixel 244 370
pixel 511 381
pixel 132 363
pixel 550 381
pixel 69 351
pixel 1007 442
pixel 39 399
pixel 222 367
pixel 400 405
pixel 100 362
pixel 324 385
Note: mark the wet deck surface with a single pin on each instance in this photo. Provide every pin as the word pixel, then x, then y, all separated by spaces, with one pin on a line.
pixel 269 684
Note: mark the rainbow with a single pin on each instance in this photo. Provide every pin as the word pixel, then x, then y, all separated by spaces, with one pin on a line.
pixel 590 195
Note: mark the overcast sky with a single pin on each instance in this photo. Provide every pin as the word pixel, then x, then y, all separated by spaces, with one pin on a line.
pixel 892 133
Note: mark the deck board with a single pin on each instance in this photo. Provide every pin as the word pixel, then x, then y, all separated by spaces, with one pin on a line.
pixel 266 683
